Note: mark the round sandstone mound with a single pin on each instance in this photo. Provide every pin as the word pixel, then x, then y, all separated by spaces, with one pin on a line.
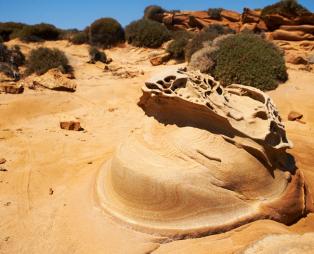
pixel 208 160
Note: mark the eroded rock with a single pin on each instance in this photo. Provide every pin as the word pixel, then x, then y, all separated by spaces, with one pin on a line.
pixel 283 243
pixel 207 159
pixel 160 59
pixel 11 88
pixel 54 79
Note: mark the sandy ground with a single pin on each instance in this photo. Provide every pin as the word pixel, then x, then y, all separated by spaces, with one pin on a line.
pixel 47 197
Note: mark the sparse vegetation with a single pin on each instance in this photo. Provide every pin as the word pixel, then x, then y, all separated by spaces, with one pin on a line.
pixel 177 46
pixel 10 60
pixel 146 33
pixel 9 30
pixel 204 38
pixel 151 11
pixel 79 38
pixel 287 8
pixel 39 32
pixel 67 34
pixel 248 59
pixel 215 13
pixel 96 55
pixel 106 33
pixel 42 59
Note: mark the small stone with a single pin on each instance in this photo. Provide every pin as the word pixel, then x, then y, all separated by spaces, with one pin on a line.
pixel 3 160
pixel 112 109
pixel 71 125
pixel 51 191
pixel 3 169
pixel 294 116
pixel 160 59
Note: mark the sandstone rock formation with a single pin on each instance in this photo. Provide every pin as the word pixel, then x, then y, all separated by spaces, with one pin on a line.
pixel 214 159
pixel 54 80
pixel 283 243
pixel 160 59
pixel 11 88
pixel 279 27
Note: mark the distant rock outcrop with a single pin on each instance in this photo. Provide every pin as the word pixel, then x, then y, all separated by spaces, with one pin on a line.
pixel 279 27
pixel 208 159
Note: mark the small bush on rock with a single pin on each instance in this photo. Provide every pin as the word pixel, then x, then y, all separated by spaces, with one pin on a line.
pixel 42 59
pixel 248 59
pixel 146 33
pixel 287 8
pixel 204 38
pixel 215 13
pixel 151 11
pixel 106 33
pixel 39 32
pixel 96 55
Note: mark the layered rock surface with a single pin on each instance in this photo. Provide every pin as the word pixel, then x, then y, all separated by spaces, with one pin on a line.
pixel 279 27
pixel 214 159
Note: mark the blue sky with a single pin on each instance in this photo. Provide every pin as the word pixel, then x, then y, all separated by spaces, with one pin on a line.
pixel 80 13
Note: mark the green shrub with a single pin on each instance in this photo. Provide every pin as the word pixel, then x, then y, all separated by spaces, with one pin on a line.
pixel 204 38
pixel 42 59
pixel 248 59
pixel 177 46
pixel 39 32
pixel 106 32
pixel 151 11
pixel 96 55
pixel 79 38
pixel 287 8
pixel 146 33
pixel 215 13
pixel 9 30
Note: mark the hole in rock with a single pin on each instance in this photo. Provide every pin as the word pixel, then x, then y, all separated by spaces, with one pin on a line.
pixel 219 90
pixel 152 86
pixel 169 78
pixel 261 115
